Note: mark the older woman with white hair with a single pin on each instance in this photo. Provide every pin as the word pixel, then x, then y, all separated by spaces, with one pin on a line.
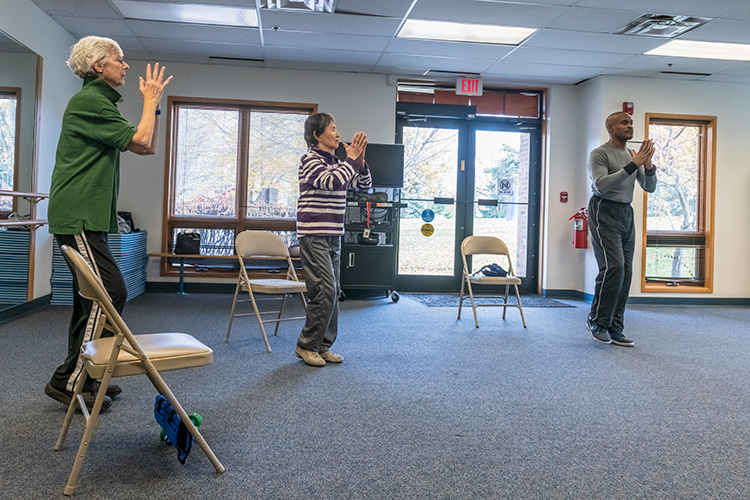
pixel 86 181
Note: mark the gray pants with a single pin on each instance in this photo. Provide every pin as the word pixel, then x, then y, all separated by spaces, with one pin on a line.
pixel 321 257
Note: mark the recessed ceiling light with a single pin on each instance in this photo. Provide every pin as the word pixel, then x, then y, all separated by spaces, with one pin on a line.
pixel 703 50
pixel 461 32
pixel 191 13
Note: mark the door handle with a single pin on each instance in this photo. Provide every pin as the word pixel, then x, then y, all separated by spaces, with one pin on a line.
pixel 489 203
pixel 351 259
pixel 443 201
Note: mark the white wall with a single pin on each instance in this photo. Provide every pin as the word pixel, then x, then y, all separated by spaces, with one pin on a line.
pixel 23 21
pixel 358 102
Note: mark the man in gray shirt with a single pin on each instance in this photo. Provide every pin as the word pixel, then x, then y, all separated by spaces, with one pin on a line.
pixel 613 169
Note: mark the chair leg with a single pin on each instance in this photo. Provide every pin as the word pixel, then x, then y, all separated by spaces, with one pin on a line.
pixel 518 298
pixel 87 434
pixel 461 295
pixel 281 311
pixel 162 387
pixel 71 411
pixel 505 300
pixel 260 320
pixel 473 305
pixel 234 305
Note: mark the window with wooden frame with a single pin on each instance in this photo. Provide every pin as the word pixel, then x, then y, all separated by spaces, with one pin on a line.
pixel 9 140
pixel 231 166
pixel 679 215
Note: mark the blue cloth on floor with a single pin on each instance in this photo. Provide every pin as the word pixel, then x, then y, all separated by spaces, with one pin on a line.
pixel 177 433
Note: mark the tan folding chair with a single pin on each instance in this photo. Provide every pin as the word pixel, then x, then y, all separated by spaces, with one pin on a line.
pixel 488 245
pixel 126 354
pixel 264 245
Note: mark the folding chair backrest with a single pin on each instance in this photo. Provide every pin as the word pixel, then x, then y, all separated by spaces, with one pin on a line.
pixel 485 245
pixel 490 245
pixel 257 243
pixel 89 285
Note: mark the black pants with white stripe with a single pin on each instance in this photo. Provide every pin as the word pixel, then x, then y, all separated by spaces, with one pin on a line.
pixel 92 245
pixel 613 239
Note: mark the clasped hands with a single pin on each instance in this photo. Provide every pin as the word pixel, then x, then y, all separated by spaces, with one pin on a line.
pixel 644 154
pixel 356 148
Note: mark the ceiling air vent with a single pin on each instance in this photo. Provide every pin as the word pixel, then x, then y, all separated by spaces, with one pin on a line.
pixel 313 5
pixel 662 25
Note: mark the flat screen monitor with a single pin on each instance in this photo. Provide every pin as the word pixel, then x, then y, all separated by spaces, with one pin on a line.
pixel 386 163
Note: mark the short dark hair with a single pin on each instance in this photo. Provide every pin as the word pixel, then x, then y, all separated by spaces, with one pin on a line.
pixel 315 125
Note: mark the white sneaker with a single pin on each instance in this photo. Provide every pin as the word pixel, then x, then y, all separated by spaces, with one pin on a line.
pixel 312 358
pixel 331 357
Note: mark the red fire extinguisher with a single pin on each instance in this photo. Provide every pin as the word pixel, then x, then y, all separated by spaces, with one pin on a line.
pixel 581 227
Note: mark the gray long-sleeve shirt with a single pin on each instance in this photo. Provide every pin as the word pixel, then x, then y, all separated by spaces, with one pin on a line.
pixel 612 174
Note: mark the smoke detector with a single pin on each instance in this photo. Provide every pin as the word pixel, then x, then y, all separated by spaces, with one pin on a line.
pixel 662 25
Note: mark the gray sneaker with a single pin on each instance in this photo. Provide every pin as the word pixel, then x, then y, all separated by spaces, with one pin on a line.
pixel 619 339
pixel 64 397
pixel 312 358
pixel 599 333
pixel 331 357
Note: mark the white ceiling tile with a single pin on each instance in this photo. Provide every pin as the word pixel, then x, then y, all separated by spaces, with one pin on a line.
pixel 386 8
pixel 574 73
pixel 727 78
pixel 110 28
pixel 194 32
pixel 329 23
pixel 449 49
pixel 436 63
pixel 332 42
pixel 78 8
pixel 721 30
pixel 595 42
pixel 703 8
pixel 472 11
pixel 565 57
pixel 322 56
pixel 592 20
pixel 156 45
pixel 678 64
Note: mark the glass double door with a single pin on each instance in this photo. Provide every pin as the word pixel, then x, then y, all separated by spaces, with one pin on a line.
pixel 466 177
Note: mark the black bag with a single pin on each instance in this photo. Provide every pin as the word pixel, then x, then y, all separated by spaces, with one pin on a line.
pixel 376 197
pixel 128 218
pixel 188 243
pixel 493 270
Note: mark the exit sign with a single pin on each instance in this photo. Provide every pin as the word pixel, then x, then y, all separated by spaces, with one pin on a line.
pixel 468 86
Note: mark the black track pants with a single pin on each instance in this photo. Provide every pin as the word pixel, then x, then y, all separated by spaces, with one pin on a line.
pixel 92 245
pixel 613 239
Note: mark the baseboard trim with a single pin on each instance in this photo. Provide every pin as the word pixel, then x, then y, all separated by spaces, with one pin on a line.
pixel 14 312
pixel 666 301
pixel 174 287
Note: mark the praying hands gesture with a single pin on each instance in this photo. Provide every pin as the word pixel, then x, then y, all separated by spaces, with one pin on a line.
pixel 644 154
pixel 356 148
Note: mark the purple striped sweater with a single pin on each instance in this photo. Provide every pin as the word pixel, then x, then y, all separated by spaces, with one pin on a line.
pixel 323 182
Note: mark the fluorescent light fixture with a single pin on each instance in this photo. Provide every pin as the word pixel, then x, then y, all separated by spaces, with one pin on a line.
pixel 460 32
pixel 191 13
pixel 703 50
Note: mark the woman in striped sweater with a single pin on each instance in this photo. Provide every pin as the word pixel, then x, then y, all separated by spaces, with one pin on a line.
pixel 321 209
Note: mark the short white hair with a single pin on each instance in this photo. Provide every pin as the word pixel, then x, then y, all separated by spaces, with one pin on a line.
pixel 89 51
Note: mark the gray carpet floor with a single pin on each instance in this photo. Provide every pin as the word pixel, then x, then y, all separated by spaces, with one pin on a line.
pixel 451 300
pixel 424 406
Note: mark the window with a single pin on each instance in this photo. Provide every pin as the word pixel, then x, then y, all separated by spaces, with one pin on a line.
pixel 9 114
pixel 678 223
pixel 232 166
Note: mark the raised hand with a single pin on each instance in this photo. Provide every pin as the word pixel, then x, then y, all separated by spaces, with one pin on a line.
pixel 153 86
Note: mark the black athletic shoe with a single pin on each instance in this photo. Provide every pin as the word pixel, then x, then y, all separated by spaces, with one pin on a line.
pixel 619 339
pixel 599 333
pixel 64 397
pixel 112 390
